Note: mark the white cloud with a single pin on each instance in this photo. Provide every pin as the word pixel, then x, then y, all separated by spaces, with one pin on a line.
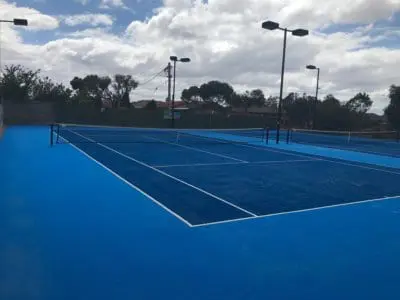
pixel 83 2
pixel 112 3
pixel 225 41
pixel 36 20
pixel 88 33
pixel 89 19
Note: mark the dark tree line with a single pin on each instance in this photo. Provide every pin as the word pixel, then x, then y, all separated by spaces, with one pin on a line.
pixel 302 110
pixel 23 85
pixel 216 94
pixel 329 113
pixel 392 112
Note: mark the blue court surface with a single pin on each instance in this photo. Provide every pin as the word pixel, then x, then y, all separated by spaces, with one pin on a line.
pixel 379 142
pixel 120 214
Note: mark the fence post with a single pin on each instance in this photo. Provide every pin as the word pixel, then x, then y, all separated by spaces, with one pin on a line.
pixel 288 136
pixel 51 135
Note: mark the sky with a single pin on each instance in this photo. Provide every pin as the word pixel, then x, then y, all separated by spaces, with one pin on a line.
pixel 356 44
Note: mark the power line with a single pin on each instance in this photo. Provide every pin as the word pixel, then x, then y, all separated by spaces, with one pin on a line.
pixel 135 93
pixel 152 78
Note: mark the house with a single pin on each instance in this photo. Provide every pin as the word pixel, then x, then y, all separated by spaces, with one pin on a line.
pixel 179 105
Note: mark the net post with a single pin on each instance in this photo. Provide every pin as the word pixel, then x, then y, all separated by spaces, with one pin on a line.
pixel 288 136
pixel 51 135
pixel 266 135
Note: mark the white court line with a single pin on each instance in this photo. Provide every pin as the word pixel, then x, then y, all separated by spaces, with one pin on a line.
pixel 201 165
pixel 298 211
pixel 235 163
pixel 320 158
pixel 360 166
pixel 198 150
pixel 253 216
pixel 130 184
pixel 277 151
pixel 168 175
pixel 355 149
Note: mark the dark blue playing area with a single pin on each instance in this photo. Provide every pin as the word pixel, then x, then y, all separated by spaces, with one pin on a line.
pixel 117 213
pixel 211 181
pixel 380 143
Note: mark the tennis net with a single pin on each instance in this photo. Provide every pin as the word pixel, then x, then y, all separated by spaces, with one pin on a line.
pixel 72 133
pixel 321 137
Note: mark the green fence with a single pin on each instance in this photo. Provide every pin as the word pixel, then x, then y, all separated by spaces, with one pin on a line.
pixel 46 113
pixel 155 118
pixel 31 113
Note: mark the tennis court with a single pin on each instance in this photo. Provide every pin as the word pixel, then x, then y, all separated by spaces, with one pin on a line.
pixel 210 176
pixel 375 142
pixel 134 213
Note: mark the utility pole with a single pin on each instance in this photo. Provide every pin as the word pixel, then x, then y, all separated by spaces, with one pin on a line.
pixel 173 98
pixel 169 84
pixel 316 102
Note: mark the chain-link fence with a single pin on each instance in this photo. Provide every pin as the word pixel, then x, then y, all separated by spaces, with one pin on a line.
pixel 156 118
pixel 30 113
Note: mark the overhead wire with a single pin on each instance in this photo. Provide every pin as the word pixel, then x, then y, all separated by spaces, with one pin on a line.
pixel 153 77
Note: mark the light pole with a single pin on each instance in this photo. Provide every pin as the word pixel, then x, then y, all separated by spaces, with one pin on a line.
pixel 175 59
pixel 296 32
pixel 16 22
pixel 312 67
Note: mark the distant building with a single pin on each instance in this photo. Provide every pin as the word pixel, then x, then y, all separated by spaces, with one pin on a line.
pixel 179 105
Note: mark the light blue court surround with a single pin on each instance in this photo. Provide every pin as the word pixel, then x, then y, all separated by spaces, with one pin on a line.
pixel 379 160
pixel 355 156
pixel 69 229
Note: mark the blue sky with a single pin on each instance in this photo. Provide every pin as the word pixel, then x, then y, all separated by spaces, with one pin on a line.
pixel 139 9
pixel 122 16
pixel 389 27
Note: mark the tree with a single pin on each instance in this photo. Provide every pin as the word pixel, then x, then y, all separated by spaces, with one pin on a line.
pixel 299 109
pixel 360 103
pixel 17 83
pixel 191 95
pixel 272 102
pixel 332 115
pixel 125 101
pixel 257 98
pixel 46 90
pixel 77 84
pixel 91 89
pixel 237 100
pixel 216 92
pixel 122 87
pixel 289 99
pixel 330 100
pixel 392 111
pixel 248 99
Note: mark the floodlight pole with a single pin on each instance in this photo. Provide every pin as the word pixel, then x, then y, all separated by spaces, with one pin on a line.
pixel 312 67
pixel 270 25
pixel 175 59
pixel 279 119
pixel 169 84
pixel 316 100
pixel 173 98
